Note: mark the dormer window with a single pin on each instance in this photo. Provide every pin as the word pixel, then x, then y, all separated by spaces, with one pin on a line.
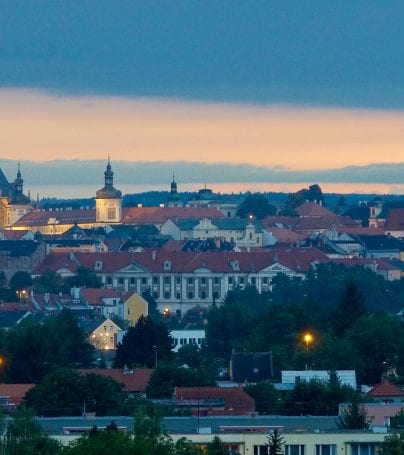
pixel 167 265
pixel 235 266
pixel 98 266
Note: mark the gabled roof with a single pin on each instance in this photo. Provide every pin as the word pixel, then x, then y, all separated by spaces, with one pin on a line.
pixel 386 389
pixel 95 296
pixel 41 218
pixel 56 261
pixel 16 392
pixel 395 220
pixel 381 243
pixel 133 381
pixel 311 209
pixel 236 401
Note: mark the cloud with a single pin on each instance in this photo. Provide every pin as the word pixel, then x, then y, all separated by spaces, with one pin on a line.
pixel 38 126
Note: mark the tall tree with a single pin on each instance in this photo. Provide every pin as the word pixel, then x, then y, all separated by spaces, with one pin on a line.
pixel 351 307
pixel 275 443
pixel 392 445
pixel 145 344
pixel 256 205
pixel 354 417
pixel 216 447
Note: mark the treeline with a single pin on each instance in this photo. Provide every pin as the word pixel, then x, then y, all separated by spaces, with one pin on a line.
pixel 349 311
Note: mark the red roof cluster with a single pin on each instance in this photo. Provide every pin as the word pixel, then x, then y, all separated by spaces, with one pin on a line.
pixel 386 389
pixel 206 400
pixel 133 381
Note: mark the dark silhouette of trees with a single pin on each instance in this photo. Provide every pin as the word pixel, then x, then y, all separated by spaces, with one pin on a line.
pixel 144 344
pixel 257 205
pixel 354 417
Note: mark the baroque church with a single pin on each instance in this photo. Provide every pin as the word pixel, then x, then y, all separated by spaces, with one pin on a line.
pixel 14 204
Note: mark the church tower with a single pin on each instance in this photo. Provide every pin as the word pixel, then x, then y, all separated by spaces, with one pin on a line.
pixel 174 199
pixel 16 204
pixel 108 200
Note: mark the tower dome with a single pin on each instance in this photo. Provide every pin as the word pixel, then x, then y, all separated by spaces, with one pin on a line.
pixel 108 200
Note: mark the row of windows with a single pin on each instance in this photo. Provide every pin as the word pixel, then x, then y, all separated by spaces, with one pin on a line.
pixel 321 449
pixel 190 295
pixel 190 280
pixel 183 341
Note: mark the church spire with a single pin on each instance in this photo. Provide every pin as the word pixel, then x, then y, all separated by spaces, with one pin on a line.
pixel 18 182
pixel 109 175
pixel 173 185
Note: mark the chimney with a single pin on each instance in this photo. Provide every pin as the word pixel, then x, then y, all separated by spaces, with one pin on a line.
pixel 154 255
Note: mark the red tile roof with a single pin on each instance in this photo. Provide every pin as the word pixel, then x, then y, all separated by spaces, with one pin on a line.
pixel 56 261
pixel 41 218
pixel 394 220
pixel 236 401
pixel 298 259
pixel 157 215
pixel 94 296
pixel 386 389
pixel 311 209
pixel 134 381
pixel 16 392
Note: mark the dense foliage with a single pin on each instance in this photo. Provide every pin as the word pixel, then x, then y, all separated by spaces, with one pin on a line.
pixel 35 348
pixel 145 344
pixel 347 310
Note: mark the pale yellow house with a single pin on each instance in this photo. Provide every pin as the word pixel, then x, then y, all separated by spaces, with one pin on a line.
pixel 103 334
pixel 134 307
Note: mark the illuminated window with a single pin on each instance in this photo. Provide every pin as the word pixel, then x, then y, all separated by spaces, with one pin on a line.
pixel 111 213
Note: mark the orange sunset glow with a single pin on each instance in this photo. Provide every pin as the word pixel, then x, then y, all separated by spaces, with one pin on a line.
pixel 39 126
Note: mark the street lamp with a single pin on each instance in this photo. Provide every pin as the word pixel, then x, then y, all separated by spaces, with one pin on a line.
pixel 155 356
pixel 308 338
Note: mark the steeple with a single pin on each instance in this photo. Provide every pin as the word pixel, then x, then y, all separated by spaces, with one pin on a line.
pixel 173 185
pixel 109 192
pixel 18 182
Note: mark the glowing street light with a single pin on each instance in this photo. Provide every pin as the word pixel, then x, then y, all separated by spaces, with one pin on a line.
pixel 308 338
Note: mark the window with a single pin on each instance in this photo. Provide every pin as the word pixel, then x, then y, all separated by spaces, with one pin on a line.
pixel 166 295
pixel 231 280
pixel 178 295
pixel 203 280
pixel 265 280
pixel 120 280
pixel 144 280
pixel 155 294
pixel 190 280
pixel 253 281
pixel 190 295
pixel 363 449
pixel 203 295
pixel 326 449
pixel 241 280
pixel 294 449
pixel 155 280
pixel 261 450
pixel 215 294
pixel 217 280
pixel 132 280
pixel 167 280
pixel 109 280
pixel 111 213
pixel 178 280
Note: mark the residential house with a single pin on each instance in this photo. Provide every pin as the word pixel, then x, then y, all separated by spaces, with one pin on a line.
pixel 134 381
pixel 11 395
pixel 346 377
pixel 215 401
pixel 394 224
pixel 102 334
pixel 386 392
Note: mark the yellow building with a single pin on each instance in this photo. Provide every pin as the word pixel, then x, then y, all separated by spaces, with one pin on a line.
pixel 134 307
pixel 104 334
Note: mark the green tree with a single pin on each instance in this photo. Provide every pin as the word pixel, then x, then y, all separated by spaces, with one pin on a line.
pixel 66 392
pixel 20 280
pixel 189 354
pixel 144 343
pixel 34 350
pixel 24 436
pixel 267 398
pixel 257 205
pixel 216 447
pixel 392 445
pixel 153 311
pixel 84 277
pixel 397 422
pixel 275 443
pixel 351 307
pixel 167 376
pixel 49 281
pixel 354 417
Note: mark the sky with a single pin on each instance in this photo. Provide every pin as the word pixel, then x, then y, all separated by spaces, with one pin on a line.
pixel 285 86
